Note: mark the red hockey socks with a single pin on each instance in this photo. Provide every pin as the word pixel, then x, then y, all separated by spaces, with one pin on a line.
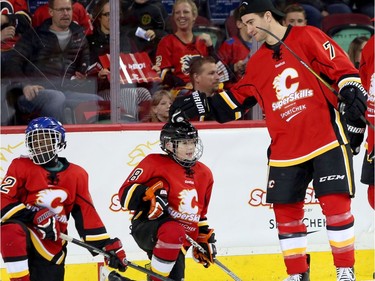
pixel 171 236
pixel 292 236
pixel 370 195
pixel 14 251
pixel 340 230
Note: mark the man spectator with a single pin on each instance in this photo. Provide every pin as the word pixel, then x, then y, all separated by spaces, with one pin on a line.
pixel 50 65
pixel 80 16
pixel 294 15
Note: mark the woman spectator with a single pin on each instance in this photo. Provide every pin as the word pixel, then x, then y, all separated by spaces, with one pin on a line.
pixel 134 100
pixel 160 103
pixel 175 51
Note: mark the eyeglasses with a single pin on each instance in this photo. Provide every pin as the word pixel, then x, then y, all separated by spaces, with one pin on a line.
pixel 62 10
pixel 106 14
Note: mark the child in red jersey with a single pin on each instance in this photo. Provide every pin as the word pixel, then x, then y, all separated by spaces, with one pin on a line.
pixel 38 196
pixel 169 195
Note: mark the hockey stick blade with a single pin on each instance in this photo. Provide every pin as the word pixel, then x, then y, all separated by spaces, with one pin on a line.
pixel 363 118
pixel 105 254
pixel 216 261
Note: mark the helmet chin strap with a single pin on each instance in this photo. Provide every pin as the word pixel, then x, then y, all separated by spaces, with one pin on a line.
pixel 52 163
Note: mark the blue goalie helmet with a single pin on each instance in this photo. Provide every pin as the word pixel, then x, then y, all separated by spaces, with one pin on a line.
pixel 180 140
pixel 45 138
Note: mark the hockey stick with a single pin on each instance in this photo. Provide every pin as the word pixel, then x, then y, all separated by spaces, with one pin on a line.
pixel 105 254
pixel 111 275
pixel 222 266
pixel 312 71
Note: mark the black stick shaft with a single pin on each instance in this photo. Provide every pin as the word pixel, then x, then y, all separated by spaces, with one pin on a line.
pixel 216 261
pixel 105 254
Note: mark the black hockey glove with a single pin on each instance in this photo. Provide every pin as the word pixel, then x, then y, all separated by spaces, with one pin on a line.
pixel 117 254
pixel 206 240
pixel 356 131
pixel 46 224
pixel 188 107
pixel 354 101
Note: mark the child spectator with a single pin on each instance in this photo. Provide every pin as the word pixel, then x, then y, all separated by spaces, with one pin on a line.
pixel 160 104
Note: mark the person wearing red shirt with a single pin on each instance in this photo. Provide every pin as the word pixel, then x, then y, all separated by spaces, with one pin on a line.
pixel 367 73
pixel 169 195
pixel 39 194
pixel 312 130
pixel 236 50
pixel 175 51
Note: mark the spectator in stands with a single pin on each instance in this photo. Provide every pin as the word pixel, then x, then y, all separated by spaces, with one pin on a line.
pixel 50 65
pixel 133 100
pixel 294 15
pixel 80 16
pixel 15 21
pixel 317 9
pixel 175 51
pixel 355 49
pixel 236 50
pixel 149 16
pixel 204 77
pixel 160 104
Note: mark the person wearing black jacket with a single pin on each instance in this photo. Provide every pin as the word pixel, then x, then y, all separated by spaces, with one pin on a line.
pixel 50 65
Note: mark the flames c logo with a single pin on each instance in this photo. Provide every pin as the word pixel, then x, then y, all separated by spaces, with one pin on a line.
pixel 285 83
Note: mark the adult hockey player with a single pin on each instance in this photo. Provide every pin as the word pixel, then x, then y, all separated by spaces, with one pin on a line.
pixel 169 195
pixel 367 73
pixel 38 195
pixel 309 138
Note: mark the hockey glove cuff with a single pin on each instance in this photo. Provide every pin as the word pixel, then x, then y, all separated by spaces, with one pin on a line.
pixel 354 101
pixel 46 224
pixel 206 241
pixel 117 254
pixel 356 131
pixel 188 107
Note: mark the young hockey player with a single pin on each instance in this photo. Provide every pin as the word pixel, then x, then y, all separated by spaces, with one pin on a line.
pixel 309 138
pixel 39 193
pixel 169 195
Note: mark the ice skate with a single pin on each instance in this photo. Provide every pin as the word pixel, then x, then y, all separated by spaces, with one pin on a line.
pixel 345 274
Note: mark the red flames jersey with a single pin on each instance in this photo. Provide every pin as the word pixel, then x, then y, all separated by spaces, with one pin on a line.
pixel 367 73
pixel 65 193
pixel 174 54
pixel 300 111
pixel 188 196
